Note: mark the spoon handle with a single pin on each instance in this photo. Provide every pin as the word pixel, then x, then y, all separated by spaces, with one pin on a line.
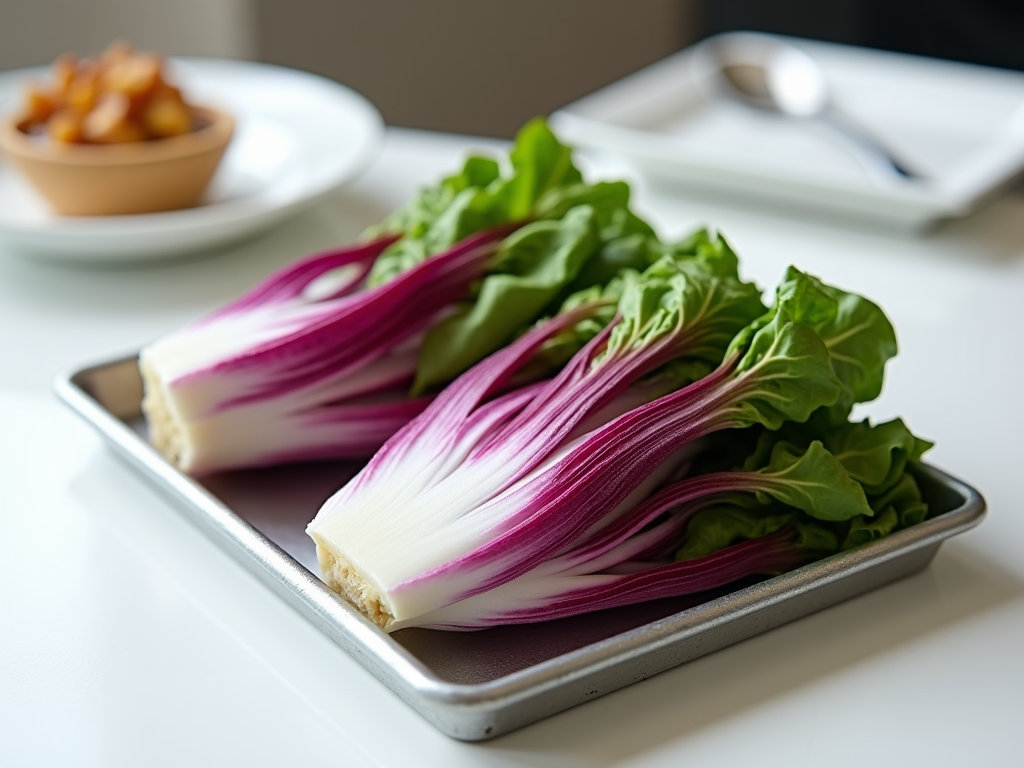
pixel 867 143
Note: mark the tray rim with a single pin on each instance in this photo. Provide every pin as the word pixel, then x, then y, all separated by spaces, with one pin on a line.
pixel 447 704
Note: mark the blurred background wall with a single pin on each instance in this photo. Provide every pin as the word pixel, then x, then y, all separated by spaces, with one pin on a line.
pixel 470 66
pixel 486 66
pixel 37 31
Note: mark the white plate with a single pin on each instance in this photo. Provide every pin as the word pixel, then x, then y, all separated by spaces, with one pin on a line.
pixel 960 125
pixel 298 137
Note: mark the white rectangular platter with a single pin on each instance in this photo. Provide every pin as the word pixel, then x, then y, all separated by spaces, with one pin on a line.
pixel 961 126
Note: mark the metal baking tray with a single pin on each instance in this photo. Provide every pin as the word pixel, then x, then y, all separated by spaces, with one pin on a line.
pixel 478 685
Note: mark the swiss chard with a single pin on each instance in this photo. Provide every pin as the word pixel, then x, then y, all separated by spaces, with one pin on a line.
pixel 446 517
pixel 330 356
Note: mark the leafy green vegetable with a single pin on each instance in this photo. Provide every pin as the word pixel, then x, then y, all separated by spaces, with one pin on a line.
pixel 477 198
pixel 540 165
pixel 610 352
pixel 813 481
pixel 575 236
pixel 859 337
pixel 839 471
pixel 787 373
pixel 718 527
pixel 532 266
pixel 876 455
pixel 415 218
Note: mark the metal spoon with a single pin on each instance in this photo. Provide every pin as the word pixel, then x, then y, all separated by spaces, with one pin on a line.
pixel 772 75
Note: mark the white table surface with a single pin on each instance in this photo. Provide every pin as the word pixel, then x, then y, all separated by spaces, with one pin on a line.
pixel 126 638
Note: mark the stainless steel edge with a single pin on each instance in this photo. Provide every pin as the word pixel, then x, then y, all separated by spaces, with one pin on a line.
pixel 484 710
pixel 549 687
pixel 266 560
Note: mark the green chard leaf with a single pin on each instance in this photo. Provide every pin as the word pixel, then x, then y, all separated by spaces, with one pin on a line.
pixel 815 537
pixel 718 302
pixel 415 218
pixel 627 242
pixel 531 268
pixel 605 197
pixel 900 506
pixel 785 375
pixel 702 311
pixel 719 305
pixel 875 455
pixel 439 217
pixel 581 237
pixel 813 481
pixel 724 525
pixel 866 529
pixel 859 337
pixel 632 252
pixel 733 450
pixel 540 164
pixel 710 249
pixel 476 198
pixel 799 368
pixel 809 318
pixel 905 498
pixel 720 526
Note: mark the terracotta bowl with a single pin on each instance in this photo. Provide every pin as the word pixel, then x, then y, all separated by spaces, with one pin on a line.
pixel 114 179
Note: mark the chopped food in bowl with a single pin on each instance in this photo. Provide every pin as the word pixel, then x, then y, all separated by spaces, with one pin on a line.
pixel 112 135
